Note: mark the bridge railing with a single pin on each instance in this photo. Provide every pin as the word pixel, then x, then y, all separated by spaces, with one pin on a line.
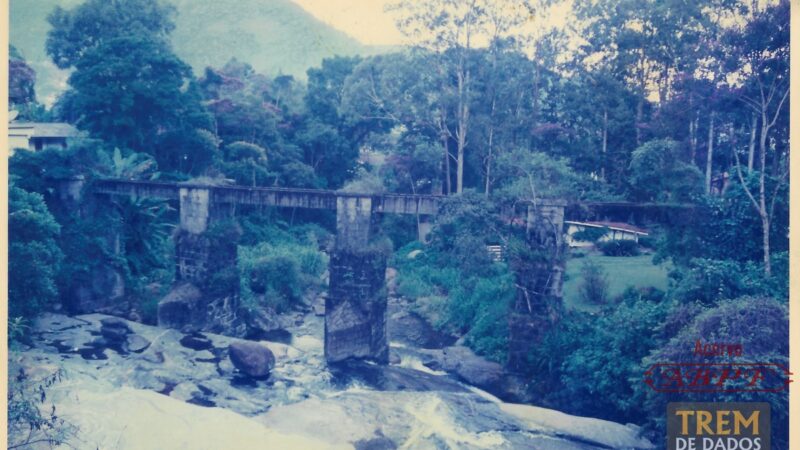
pixel 272 196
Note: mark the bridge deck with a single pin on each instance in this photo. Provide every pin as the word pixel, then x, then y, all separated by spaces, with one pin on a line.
pixel 381 203
pixel 272 196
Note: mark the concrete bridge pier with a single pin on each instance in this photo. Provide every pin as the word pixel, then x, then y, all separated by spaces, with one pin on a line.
pixel 191 248
pixel 201 299
pixel 199 251
pixel 103 286
pixel 539 278
pixel 355 310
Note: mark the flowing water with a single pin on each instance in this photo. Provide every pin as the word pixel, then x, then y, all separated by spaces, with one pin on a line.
pixel 179 393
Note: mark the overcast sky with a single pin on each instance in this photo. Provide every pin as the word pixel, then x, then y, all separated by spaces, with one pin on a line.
pixel 364 20
pixel 367 21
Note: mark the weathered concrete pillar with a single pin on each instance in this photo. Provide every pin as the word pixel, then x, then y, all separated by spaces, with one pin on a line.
pixel 70 191
pixel 424 228
pixel 205 296
pixel 191 246
pixel 102 287
pixel 353 222
pixel 539 276
pixel 355 310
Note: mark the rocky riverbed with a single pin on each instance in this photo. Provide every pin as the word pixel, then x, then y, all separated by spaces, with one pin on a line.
pixel 133 386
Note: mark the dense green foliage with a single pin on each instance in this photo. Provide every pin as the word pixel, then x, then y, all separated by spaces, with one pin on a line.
pixel 619 247
pixel 22 88
pixel 584 365
pixel 34 257
pixel 32 418
pixel 126 88
pixel 80 30
pixel 456 301
pixel 759 324
pixel 276 272
pixel 129 236
pixel 594 283
pixel 658 174
pixel 590 234
pixel 454 280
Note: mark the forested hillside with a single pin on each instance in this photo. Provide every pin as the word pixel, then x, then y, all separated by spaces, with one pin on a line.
pixel 275 36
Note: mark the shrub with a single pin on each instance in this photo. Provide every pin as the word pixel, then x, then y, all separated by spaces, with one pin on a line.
pixel 577 254
pixel 458 301
pixel 481 307
pixel 590 234
pixel 760 325
pixel 649 241
pixel 590 354
pixel 707 281
pixel 277 275
pixel 30 421
pixel 34 258
pixel 619 247
pixel 594 287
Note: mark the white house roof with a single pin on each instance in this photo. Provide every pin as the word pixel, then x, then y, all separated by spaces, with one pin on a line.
pixel 614 226
pixel 43 129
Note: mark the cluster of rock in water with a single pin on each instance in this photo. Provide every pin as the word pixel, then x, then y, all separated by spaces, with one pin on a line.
pixel 423 399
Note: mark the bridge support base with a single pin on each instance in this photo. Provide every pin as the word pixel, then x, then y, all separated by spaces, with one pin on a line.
pixel 539 275
pixel 355 310
pixel 205 295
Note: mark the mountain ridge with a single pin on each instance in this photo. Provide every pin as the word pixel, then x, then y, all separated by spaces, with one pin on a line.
pixel 274 36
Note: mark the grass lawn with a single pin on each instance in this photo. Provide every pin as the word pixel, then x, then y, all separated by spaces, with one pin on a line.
pixel 622 271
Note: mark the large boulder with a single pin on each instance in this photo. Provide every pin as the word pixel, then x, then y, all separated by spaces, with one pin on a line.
pixel 136 343
pixel 117 334
pixel 102 292
pixel 466 365
pixel 410 328
pixel 115 331
pixel 182 308
pixel 251 358
pixel 196 342
pixel 266 324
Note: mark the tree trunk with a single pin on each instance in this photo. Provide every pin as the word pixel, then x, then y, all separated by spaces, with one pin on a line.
pixel 765 224
pixel 710 153
pixel 463 122
pixel 639 117
pixel 489 162
pixel 605 145
pixel 776 161
pixel 695 125
pixel 751 153
pixel 446 163
pixel 762 194
pixel 691 140
pixel 460 168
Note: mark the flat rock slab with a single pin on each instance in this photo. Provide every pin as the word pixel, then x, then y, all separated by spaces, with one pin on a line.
pixel 442 420
pixel 128 419
pixel 164 397
pixel 196 341
pixel 136 343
